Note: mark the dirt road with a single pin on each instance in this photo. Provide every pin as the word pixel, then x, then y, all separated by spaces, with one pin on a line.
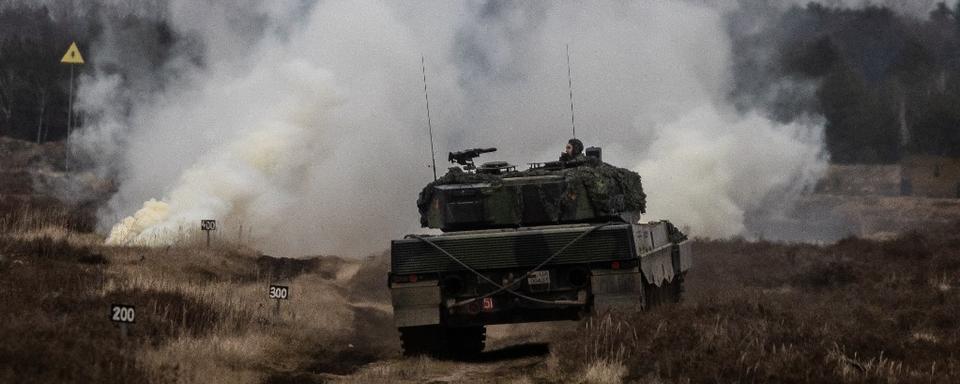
pixel 514 354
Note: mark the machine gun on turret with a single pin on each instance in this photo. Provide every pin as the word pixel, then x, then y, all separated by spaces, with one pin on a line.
pixel 465 157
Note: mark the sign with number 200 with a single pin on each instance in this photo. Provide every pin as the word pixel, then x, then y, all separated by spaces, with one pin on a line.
pixel 122 313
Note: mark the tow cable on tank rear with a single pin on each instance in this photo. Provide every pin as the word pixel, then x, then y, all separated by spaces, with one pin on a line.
pixel 506 287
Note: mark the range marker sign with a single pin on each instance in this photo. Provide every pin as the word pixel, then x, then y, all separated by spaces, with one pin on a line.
pixel 279 292
pixel 122 313
pixel 208 225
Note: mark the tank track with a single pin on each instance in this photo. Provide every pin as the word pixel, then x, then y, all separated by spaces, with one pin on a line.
pixel 442 342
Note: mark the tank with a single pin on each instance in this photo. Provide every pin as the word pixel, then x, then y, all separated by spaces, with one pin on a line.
pixel 495 195
pixel 556 241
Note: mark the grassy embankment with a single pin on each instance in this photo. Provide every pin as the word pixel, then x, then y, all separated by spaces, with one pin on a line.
pixel 202 314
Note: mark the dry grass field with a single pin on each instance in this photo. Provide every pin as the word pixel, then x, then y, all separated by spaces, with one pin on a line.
pixel 854 311
pixel 203 315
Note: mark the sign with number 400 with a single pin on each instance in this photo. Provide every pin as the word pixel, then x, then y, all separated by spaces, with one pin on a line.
pixel 208 225
pixel 121 313
pixel 279 292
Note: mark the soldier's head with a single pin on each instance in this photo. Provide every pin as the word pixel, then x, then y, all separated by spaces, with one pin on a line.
pixel 574 147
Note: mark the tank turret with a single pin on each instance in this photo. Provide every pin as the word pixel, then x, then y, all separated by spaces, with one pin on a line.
pixel 496 195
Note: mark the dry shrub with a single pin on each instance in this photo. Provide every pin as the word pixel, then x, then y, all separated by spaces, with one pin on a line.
pixel 599 349
pixel 605 372
pixel 34 213
pixel 174 266
pixel 829 274
pixel 877 369
pixel 217 358
pixel 282 268
pixel 49 249
pixel 609 338
pixel 913 245
pixel 166 314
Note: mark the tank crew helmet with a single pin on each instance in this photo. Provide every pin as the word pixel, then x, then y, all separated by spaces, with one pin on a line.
pixel 574 147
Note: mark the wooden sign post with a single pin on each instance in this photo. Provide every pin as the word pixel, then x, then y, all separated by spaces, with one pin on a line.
pixel 279 292
pixel 124 315
pixel 207 226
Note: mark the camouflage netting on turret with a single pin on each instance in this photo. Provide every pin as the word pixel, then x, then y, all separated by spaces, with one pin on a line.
pixel 609 191
pixel 454 175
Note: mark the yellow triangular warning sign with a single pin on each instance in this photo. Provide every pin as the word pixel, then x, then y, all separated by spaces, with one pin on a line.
pixel 73 55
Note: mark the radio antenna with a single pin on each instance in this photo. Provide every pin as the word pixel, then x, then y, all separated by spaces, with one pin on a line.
pixel 426 96
pixel 570 86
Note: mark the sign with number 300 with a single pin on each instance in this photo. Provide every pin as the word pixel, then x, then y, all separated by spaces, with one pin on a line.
pixel 279 292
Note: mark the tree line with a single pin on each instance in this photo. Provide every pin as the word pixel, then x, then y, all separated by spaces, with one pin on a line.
pixel 34 85
pixel 884 84
pixel 887 85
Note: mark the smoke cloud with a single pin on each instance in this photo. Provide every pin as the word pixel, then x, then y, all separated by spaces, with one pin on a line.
pixel 305 121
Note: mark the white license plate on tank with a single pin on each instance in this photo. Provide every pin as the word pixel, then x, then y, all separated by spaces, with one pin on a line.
pixel 539 278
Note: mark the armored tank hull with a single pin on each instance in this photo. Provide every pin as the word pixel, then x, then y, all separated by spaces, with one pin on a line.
pixel 543 244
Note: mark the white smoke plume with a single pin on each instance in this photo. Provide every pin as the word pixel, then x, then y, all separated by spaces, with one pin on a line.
pixel 711 169
pixel 305 120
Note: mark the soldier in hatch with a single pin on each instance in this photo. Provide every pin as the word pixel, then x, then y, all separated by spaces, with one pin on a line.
pixel 573 151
